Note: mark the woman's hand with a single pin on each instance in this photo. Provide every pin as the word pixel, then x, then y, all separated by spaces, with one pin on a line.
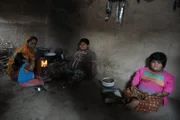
pixel 162 94
pixel 132 88
pixel 31 64
pixel 158 94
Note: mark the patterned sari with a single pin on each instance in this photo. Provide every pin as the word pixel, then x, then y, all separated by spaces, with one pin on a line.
pixel 147 103
pixel 25 50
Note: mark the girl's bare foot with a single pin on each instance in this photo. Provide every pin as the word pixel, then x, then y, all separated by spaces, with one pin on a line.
pixel 132 104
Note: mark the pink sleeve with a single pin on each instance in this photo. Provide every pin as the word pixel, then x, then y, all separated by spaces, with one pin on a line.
pixel 136 78
pixel 169 86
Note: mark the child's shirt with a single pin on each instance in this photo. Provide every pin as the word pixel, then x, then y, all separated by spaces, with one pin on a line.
pixel 166 82
pixel 83 60
pixel 25 76
pixel 151 82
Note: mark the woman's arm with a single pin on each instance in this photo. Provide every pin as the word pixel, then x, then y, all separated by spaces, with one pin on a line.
pixel 136 78
pixel 93 67
pixel 168 88
pixel 31 66
pixel 162 94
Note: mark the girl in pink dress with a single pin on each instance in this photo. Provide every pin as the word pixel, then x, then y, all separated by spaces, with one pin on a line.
pixel 150 86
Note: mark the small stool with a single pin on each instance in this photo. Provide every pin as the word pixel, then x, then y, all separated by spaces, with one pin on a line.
pixel 111 95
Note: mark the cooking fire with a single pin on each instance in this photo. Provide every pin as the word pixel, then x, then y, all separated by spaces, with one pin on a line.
pixel 44 63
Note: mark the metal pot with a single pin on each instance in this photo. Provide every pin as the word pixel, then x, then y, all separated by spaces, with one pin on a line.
pixel 50 56
pixel 41 51
pixel 108 82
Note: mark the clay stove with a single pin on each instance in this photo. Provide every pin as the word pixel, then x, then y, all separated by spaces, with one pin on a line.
pixel 44 65
pixel 51 62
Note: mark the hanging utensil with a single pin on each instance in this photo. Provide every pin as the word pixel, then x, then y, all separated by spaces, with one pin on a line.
pixel 117 10
pixel 120 10
pixel 108 10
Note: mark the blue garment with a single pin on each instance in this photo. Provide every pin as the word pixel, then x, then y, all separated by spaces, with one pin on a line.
pixel 24 76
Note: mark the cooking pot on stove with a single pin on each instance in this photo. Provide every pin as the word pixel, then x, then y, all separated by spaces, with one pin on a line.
pixel 50 56
pixel 41 51
pixel 108 82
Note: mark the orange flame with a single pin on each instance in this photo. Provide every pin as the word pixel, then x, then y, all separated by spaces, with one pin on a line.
pixel 44 63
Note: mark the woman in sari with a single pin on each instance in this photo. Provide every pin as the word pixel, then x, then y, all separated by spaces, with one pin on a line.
pixel 27 49
pixel 150 86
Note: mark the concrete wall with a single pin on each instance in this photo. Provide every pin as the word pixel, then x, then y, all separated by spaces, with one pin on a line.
pixel 148 27
pixel 121 50
pixel 21 18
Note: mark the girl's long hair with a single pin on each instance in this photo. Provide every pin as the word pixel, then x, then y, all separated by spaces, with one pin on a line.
pixel 18 61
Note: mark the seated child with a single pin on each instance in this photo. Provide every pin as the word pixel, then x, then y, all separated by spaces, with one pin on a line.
pixel 150 86
pixel 83 63
pixel 26 67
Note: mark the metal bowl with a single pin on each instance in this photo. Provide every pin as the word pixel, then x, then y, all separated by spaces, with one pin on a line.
pixel 108 82
pixel 50 56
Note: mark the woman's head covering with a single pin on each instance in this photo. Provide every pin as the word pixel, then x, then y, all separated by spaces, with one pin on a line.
pixel 158 56
pixel 30 38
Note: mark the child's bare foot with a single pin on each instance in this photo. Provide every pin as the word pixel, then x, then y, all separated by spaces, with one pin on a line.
pixel 132 104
